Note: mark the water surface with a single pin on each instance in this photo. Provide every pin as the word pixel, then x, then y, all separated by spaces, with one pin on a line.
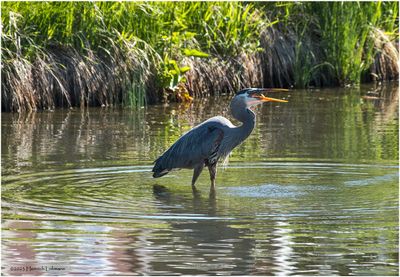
pixel 313 191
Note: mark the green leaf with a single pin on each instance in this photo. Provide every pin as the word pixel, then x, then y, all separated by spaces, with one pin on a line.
pixel 189 35
pixel 174 65
pixel 184 69
pixel 194 53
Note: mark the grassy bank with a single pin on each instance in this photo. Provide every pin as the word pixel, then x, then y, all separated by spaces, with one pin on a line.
pixel 132 53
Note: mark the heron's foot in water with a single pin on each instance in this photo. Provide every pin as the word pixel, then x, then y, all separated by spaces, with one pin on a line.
pixel 212 187
pixel 213 192
pixel 195 191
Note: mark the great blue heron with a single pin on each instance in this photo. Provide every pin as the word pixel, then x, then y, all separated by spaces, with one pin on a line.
pixel 214 139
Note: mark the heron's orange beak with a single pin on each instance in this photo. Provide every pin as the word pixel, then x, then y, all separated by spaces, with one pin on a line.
pixel 269 99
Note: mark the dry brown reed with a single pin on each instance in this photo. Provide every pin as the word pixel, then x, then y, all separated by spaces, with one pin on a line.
pixel 386 61
pixel 278 57
pixel 220 75
pixel 63 77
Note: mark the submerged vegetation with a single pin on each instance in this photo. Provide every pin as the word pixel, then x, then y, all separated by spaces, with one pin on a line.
pixel 110 53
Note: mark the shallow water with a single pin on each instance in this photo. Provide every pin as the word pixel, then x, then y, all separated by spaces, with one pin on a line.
pixel 313 191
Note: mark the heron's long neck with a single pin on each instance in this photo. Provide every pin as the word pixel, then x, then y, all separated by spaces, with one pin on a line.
pixel 248 119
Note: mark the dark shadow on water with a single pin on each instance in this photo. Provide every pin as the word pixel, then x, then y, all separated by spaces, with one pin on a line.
pixel 215 245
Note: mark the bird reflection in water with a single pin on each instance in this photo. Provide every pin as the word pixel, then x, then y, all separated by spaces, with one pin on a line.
pixel 204 241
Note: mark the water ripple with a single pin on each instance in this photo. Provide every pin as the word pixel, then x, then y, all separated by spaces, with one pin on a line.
pixel 284 217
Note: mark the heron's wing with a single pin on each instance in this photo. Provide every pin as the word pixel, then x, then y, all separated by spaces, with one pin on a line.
pixel 197 145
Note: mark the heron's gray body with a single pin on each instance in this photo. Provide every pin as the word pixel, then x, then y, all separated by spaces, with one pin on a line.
pixel 210 141
pixel 205 144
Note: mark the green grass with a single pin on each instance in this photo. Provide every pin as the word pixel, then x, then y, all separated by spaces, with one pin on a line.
pixel 345 30
pixel 335 43
pixel 133 53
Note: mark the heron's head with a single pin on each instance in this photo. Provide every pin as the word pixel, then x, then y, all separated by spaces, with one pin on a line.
pixel 254 96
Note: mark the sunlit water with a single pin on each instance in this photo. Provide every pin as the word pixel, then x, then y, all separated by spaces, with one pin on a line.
pixel 313 191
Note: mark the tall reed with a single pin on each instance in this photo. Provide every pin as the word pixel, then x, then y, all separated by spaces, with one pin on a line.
pixel 133 53
pixel 346 29
pixel 75 53
pixel 104 53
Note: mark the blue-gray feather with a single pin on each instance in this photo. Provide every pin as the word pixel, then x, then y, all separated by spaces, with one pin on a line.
pixel 195 147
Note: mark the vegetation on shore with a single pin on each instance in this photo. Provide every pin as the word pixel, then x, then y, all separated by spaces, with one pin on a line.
pixel 131 53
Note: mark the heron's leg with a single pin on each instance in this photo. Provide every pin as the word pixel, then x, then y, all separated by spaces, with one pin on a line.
pixel 197 170
pixel 212 168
